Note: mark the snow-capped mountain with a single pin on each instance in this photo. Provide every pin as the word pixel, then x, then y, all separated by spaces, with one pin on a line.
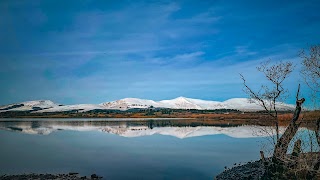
pixel 177 103
pixel 188 103
pixel 128 103
pixel 29 105
pixel 242 104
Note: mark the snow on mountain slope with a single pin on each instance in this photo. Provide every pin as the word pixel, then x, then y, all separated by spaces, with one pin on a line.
pixel 242 104
pixel 245 104
pixel 189 103
pixel 128 103
pixel 177 103
pixel 79 107
pixel 29 105
pixel 207 104
pixel 180 103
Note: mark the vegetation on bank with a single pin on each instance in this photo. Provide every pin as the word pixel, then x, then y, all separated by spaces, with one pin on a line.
pixel 220 115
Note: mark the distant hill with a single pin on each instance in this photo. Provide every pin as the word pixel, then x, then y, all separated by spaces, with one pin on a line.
pixel 242 104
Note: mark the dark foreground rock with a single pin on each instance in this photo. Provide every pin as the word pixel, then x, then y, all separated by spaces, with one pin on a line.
pixel 251 170
pixel 70 176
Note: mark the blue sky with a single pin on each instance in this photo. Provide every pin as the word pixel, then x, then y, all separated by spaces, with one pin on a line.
pixel 96 51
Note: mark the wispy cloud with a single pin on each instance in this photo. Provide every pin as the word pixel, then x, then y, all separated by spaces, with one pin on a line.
pixel 179 58
pixel 244 50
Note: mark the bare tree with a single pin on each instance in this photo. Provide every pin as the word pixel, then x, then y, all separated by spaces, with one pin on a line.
pixel 311 67
pixel 299 164
pixel 268 96
pixel 311 74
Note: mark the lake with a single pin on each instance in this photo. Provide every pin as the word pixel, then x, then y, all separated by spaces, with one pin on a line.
pixel 125 149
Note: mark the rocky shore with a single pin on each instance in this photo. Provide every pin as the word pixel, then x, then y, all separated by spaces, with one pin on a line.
pixel 70 176
pixel 249 171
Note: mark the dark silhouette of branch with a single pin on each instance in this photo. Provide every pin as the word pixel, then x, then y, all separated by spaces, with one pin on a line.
pixel 266 97
pixel 311 67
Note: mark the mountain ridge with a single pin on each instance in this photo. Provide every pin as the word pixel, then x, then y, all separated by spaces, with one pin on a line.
pixel 242 104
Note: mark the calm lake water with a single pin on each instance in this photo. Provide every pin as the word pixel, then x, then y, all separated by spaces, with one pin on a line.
pixel 145 149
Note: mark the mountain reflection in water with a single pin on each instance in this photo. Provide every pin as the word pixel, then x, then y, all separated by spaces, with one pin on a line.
pixel 177 128
pixel 127 149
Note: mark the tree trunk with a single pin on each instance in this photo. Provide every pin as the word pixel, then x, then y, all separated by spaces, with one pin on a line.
pixel 317 131
pixel 297 148
pixel 283 143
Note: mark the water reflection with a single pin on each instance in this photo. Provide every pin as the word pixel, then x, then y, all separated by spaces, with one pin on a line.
pixel 177 128
pixel 160 149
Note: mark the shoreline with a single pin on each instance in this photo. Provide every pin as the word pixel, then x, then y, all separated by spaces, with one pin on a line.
pixel 31 176
pixel 21 119
pixel 251 170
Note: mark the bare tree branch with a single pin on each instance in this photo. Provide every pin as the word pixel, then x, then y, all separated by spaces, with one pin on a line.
pixel 311 67
pixel 268 96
